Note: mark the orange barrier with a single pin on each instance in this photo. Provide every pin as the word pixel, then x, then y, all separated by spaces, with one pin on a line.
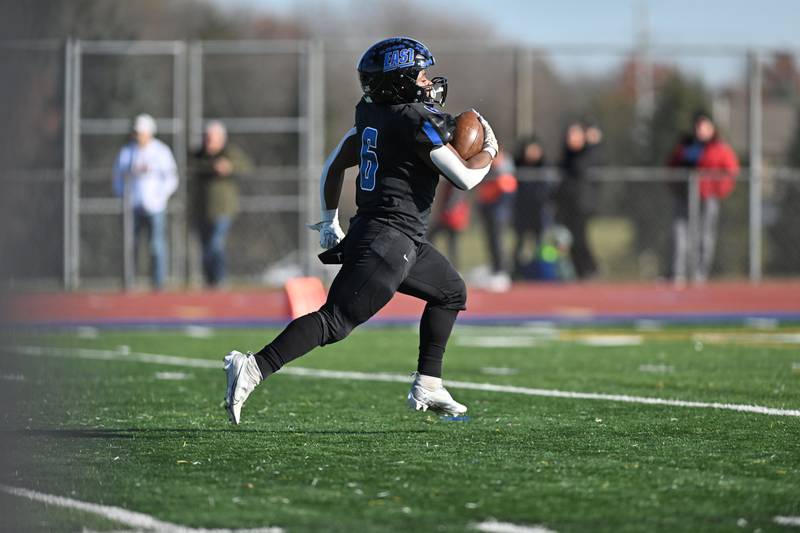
pixel 305 295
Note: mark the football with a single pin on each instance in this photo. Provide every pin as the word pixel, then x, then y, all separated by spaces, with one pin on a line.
pixel 468 135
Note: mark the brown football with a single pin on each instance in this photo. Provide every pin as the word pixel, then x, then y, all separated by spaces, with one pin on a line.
pixel 468 136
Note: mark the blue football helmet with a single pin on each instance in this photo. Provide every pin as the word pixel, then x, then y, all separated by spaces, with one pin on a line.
pixel 388 73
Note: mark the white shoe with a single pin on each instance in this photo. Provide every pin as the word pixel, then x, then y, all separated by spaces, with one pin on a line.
pixel 439 400
pixel 242 373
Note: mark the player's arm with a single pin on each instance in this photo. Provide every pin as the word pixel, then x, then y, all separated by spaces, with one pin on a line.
pixel 344 156
pixel 466 174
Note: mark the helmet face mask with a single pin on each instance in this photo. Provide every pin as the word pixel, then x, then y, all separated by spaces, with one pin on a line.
pixel 437 92
pixel 389 70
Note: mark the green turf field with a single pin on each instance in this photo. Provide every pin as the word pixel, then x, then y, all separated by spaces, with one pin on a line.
pixel 321 454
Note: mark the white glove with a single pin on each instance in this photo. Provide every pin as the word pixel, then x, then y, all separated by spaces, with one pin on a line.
pixel 330 232
pixel 489 140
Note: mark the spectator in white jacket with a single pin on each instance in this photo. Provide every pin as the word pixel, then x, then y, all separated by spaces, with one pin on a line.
pixel 146 167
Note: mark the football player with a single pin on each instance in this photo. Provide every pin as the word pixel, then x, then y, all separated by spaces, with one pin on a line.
pixel 400 142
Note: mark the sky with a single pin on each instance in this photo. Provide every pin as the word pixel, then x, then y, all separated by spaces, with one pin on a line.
pixel 714 34
pixel 762 23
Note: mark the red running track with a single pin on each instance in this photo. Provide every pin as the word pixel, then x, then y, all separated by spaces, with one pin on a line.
pixel 580 303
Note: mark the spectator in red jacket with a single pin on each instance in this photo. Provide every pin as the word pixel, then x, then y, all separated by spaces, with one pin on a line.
pixel 717 167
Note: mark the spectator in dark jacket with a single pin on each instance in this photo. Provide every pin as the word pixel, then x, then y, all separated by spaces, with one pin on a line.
pixel 575 194
pixel 533 209
pixel 718 166
pixel 216 192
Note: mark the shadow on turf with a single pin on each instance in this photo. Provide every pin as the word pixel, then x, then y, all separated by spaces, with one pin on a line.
pixel 158 433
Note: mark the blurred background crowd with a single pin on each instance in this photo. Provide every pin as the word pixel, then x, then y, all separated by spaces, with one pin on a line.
pixel 176 143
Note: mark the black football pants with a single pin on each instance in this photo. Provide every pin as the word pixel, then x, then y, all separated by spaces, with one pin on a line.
pixel 378 261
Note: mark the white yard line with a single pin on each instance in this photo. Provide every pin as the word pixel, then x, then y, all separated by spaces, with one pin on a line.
pixel 787 520
pixel 109 355
pixel 118 355
pixel 140 521
pixel 493 526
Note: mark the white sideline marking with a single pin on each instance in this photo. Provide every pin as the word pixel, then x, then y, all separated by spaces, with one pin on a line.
pixel 498 342
pixel 493 526
pixel 174 360
pixel 762 323
pixel 547 329
pixel 123 516
pixel 516 340
pixel 787 520
pixel 725 338
pixel 199 332
pixel 86 332
pixel 648 325
pixel 610 340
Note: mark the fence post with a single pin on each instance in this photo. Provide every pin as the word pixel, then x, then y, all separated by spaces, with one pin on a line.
pixel 74 185
pixel 755 144
pixel 179 145
pixel 67 196
pixel 313 106
pixel 195 139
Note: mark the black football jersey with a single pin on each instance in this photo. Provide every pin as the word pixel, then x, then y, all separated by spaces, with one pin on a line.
pixel 396 180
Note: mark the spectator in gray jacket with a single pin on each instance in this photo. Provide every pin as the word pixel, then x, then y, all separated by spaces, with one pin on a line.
pixel 146 174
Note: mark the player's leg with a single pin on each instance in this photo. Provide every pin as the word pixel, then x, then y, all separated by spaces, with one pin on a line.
pixel 377 260
pixel 245 371
pixel 433 279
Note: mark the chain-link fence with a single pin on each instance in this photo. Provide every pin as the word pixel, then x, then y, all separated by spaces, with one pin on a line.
pixel 285 103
